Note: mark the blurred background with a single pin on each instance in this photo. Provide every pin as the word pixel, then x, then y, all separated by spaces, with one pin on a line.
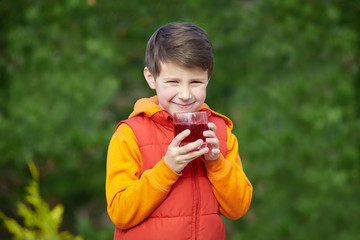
pixel 286 73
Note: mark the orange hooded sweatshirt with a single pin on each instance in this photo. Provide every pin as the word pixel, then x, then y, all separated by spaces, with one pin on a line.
pixel 148 200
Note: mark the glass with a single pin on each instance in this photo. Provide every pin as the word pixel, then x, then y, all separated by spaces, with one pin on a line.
pixel 196 122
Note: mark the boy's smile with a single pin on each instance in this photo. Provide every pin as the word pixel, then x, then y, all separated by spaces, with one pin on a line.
pixel 179 89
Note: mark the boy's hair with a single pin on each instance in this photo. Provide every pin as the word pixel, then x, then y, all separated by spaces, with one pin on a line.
pixel 183 43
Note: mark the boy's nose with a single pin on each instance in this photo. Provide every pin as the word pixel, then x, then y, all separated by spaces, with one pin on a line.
pixel 184 93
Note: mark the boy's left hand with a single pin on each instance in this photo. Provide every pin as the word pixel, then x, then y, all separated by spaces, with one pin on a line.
pixel 212 143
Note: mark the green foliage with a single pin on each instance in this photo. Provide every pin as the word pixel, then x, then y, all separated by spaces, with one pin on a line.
pixel 286 72
pixel 40 222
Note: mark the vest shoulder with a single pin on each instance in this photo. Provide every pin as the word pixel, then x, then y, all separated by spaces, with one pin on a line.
pixel 227 120
pixel 133 121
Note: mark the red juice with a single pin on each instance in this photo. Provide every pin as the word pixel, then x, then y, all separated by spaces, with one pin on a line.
pixel 196 131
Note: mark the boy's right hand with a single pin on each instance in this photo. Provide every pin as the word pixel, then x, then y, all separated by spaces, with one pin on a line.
pixel 178 157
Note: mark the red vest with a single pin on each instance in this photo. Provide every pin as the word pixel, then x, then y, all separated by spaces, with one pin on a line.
pixel 190 211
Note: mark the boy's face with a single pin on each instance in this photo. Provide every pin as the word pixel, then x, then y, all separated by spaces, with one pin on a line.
pixel 179 89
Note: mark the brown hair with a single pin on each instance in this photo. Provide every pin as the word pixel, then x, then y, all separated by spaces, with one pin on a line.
pixel 182 43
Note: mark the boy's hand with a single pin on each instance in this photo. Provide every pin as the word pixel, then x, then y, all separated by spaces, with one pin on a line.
pixel 178 157
pixel 212 143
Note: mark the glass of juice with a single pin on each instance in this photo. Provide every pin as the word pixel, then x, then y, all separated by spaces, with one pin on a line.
pixel 196 122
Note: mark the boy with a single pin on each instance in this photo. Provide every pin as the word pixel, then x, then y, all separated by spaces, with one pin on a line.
pixel 156 189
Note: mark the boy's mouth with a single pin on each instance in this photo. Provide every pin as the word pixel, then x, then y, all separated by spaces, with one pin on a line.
pixel 183 106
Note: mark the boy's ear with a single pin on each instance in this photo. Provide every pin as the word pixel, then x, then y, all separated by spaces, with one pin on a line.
pixel 149 78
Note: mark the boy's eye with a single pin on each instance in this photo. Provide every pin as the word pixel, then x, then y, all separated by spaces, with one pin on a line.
pixel 196 82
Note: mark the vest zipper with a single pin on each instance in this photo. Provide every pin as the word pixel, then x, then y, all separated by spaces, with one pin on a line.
pixel 196 199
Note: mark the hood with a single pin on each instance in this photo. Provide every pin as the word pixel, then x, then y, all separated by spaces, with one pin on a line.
pixel 146 107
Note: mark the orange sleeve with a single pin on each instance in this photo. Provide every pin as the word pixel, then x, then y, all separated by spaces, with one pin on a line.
pixel 125 188
pixel 231 187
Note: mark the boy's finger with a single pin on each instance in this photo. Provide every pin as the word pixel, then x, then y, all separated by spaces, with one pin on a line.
pixel 209 133
pixel 212 126
pixel 196 154
pixel 191 146
pixel 212 142
pixel 178 138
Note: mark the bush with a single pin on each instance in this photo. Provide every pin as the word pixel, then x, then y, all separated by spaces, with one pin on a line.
pixel 41 223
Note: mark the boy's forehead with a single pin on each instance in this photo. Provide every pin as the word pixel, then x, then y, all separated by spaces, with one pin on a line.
pixel 173 68
pixel 173 65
